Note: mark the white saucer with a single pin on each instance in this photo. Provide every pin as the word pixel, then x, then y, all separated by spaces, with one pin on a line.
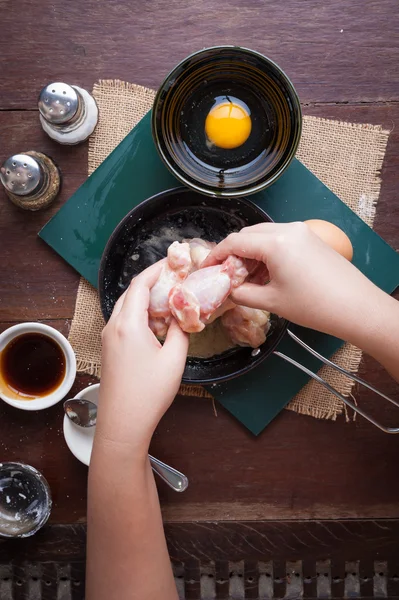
pixel 80 439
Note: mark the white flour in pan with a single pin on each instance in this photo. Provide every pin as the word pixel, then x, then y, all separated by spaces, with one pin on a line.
pixel 210 341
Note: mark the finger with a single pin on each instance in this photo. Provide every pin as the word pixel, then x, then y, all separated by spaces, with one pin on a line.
pixel 137 297
pixel 118 306
pixel 176 344
pixel 245 245
pixel 262 228
pixel 268 227
pixel 255 296
pixel 119 303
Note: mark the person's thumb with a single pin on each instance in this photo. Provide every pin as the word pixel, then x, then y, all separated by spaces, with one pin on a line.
pixel 255 296
pixel 176 344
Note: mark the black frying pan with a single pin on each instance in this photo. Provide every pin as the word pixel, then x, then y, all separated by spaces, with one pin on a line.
pixel 143 237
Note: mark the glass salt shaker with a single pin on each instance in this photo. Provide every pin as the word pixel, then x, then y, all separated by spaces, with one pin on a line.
pixel 68 113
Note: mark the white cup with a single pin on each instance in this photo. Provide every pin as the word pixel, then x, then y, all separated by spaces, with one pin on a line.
pixel 70 367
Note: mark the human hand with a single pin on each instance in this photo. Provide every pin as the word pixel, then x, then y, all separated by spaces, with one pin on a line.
pixel 140 377
pixel 310 283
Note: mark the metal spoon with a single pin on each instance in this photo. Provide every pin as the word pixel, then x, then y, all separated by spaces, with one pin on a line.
pixel 84 414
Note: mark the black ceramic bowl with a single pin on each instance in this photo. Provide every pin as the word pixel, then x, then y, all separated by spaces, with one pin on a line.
pixel 231 75
pixel 143 237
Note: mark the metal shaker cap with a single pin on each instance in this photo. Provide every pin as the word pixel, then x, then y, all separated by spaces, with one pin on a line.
pixel 31 180
pixel 68 113
pixel 58 103
pixel 21 174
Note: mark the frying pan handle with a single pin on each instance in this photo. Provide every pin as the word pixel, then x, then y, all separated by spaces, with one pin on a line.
pixel 319 379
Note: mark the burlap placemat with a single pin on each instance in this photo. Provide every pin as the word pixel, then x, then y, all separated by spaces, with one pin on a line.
pixel 346 157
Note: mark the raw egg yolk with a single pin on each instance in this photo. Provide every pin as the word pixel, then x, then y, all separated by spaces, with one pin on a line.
pixel 228 125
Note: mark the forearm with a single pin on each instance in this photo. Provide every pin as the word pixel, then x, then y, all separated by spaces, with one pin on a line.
pixel 378 335
pixel 127 557
pixel 370 321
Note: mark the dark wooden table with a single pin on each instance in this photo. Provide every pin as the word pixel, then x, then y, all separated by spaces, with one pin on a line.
pixel 308 507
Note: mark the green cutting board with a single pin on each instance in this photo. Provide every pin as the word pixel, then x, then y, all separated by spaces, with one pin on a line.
pixel 134 172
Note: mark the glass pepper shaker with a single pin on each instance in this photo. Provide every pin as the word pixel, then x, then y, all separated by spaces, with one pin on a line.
pixel 31 180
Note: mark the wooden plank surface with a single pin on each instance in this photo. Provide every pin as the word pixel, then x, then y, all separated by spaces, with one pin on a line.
pixel 332 542
pixel 36 283
pixel 299 467
pixel 333 51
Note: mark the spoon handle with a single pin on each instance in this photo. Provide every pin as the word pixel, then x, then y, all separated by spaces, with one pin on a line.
pixel 176 480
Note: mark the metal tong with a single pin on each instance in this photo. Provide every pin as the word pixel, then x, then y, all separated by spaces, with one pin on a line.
pixel 348 402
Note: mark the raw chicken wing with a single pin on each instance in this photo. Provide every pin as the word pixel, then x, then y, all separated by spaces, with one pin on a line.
pixel 199 250
pixel 227 305
pixel 247 326
pixel 176 268
pixel 203 292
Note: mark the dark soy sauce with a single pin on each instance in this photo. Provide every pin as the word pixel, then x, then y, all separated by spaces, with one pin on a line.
pixel 32 365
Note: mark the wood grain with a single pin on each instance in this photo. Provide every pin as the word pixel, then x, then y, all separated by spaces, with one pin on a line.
pixel 333 51
pixel 278 541
pixel 298 468
pixel 39 285
pixel 35 284
pixel 342 57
